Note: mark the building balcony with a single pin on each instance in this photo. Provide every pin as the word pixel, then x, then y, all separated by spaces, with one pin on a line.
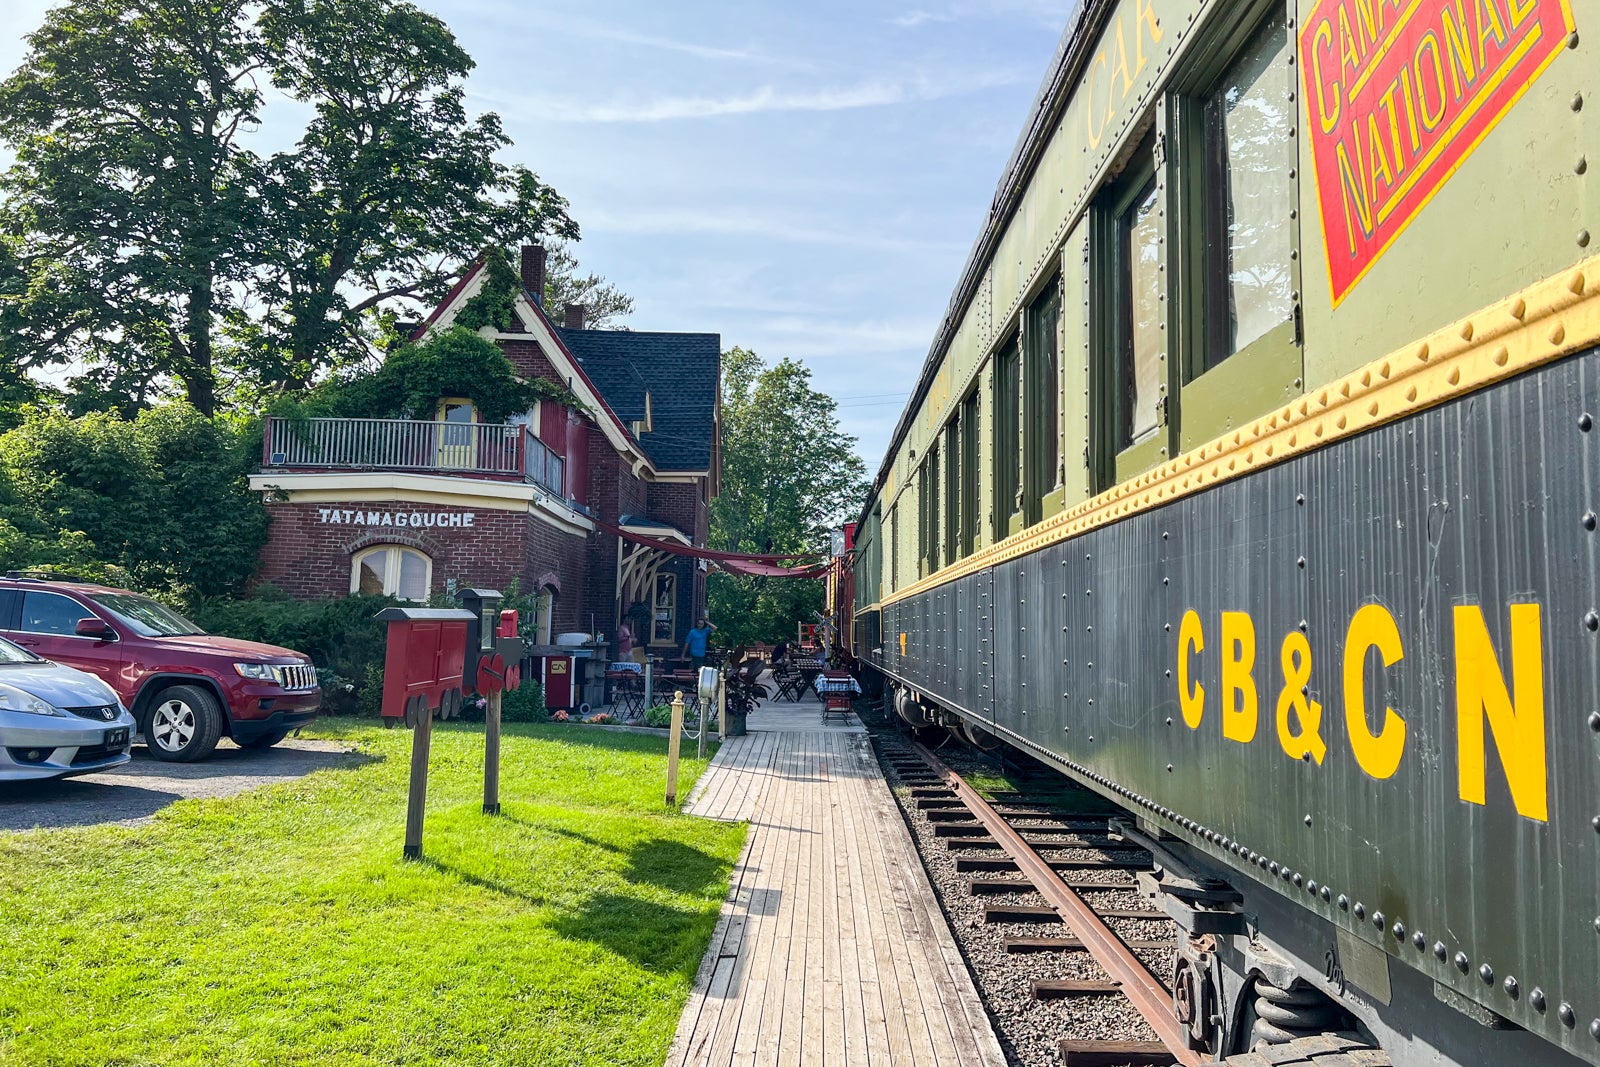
pixel 491 451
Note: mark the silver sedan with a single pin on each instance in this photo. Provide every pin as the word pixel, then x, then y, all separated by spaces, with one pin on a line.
pixel 56 721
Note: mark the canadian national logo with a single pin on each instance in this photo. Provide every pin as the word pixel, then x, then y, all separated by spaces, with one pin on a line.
pixel 1400 92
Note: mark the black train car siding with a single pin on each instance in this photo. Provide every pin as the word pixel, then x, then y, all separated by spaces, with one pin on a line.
pixel 1482 508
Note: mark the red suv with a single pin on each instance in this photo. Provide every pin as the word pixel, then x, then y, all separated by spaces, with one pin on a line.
pixel 186 688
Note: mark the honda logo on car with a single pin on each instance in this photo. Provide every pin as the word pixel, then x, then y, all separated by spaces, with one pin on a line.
pixel 419 519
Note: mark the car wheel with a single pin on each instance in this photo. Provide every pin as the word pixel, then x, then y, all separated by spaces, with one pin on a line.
pixel 184 724
pixel 266 740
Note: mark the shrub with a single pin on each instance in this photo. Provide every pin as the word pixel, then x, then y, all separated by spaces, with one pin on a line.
pixel 340 635
pixel 659 716
pixel 524 704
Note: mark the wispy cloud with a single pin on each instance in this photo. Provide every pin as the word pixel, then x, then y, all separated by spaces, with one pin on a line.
pixel 735 223
pixel 912 19
pixel 1053 13
pixel 769 98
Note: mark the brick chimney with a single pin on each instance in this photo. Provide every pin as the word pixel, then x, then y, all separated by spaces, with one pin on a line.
pixel 533 257
pixel 574 317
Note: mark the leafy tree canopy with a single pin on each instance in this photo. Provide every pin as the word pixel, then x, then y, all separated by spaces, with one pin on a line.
pixel 789 477
pixel 147 244
pixel 159 502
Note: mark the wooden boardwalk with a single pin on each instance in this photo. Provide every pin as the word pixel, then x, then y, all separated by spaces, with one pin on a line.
pixel 830 948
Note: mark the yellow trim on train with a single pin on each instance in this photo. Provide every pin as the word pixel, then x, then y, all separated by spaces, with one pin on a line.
pixel 1550 319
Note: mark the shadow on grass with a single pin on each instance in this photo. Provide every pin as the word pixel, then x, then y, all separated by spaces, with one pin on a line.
pixel 138 790
pixel 657 937
pixel 674 866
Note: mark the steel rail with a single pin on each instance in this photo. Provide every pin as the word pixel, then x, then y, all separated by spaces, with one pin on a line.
pixel 1141 987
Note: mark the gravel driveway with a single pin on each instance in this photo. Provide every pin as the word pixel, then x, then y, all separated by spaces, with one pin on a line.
pixel 134 792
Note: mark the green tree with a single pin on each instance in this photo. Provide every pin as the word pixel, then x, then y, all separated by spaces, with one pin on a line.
pixel 604 305
pixel 143 242
pixel 161 501
pixel 790 476
pixel 391 191
pixel 130 196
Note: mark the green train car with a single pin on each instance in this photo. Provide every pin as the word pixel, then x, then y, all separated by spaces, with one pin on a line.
pixel 1251 480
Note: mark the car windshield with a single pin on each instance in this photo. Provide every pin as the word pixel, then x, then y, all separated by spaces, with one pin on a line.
pixel 146 617
pixel 10 653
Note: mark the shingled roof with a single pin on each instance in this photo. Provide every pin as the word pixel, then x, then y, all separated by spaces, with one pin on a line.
pixel 680 371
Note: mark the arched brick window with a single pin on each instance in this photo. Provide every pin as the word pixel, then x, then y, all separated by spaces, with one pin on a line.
pixel 391 570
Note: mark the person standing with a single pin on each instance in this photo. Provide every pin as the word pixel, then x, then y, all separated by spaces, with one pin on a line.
pixel 695 642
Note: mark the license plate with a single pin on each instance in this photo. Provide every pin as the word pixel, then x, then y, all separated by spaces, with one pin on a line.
pixel 116 737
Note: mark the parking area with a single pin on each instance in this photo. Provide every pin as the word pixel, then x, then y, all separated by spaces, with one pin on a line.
pixel 134 792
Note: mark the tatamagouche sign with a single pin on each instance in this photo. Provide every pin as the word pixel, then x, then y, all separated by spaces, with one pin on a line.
pixel 408 519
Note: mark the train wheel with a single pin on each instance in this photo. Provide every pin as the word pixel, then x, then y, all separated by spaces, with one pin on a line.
pixel 978 737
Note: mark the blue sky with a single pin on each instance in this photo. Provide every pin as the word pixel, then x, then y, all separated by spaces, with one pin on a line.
pixel 804 178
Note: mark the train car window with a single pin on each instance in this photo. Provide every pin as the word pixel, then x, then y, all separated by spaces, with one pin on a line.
pixel 894 547
pixel 968 445
pixel 1249 154
pixel 1007 450
pixel 1233 117
pixel 953 473
pixel 1042 387
pixel 1139 330
pixel 931 473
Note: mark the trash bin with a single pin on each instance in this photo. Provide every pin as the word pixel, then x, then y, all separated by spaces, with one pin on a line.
pixel 734 726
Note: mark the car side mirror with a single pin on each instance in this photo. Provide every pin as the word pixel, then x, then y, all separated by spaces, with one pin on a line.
pixel 99 629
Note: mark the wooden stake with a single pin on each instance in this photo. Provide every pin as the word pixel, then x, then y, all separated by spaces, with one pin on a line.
pixel 417 796
pixel 491 755
pixel 674 736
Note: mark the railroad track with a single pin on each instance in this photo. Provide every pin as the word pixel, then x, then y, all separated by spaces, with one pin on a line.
pixel 1014 846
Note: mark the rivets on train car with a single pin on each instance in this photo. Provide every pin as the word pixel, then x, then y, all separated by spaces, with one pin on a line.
pixel 1567 1016
pixel 1327 894
pixel 1462 963
pixel 1596 818
pixel 1594 721
pixel 1419 941
pixel 1299 498
pixel 1166 581
pixel 1344 902
pixel 1361 910
pixel 1298 881
pixel 1263 863
pixel 1594 822
pixel 1510 986
pixel 1303 626
pixel 1486 972
pixel 1580 166
pixel 1583 238
pixel 1594 1029
pixel 1592 620
pixel 1536 999
pixel 1439 949
pixel 1169 768
pixel 1572 39
pixel 1300 562
pixel 1399 931
pixel 1272 867
pixel 1577 101
pixel 1377 919
pixel 1586 422
pixel 1588 520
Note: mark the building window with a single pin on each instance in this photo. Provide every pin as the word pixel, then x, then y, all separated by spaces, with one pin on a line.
pixel 1042 339
pixel 391 570
pixel 544 616
pixel 664 610
pixel 1249 152
pixel 1007 450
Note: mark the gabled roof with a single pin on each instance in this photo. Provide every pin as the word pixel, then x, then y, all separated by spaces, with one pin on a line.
pixel 680 371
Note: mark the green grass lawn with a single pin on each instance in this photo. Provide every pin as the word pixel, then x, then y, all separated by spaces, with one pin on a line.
pixel 281 926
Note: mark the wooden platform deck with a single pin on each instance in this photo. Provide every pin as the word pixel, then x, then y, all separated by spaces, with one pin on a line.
pixel 830 948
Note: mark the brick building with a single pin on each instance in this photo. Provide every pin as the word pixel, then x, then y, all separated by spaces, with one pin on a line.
pixel 407 507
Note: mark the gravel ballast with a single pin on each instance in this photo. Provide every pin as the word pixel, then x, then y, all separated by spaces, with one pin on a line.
pixel 1029 1029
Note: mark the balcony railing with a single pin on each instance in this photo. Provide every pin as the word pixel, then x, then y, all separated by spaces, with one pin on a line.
pixel 493 450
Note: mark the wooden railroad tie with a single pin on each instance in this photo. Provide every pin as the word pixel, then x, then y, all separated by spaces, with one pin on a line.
pixel 1006 863
pixel 1026 913
pixel 1021 945
pixel 983 886
pixel 1115 1054
pixel 1061 988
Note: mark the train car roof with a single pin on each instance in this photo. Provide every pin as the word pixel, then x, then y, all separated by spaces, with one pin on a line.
pixel 1083 22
